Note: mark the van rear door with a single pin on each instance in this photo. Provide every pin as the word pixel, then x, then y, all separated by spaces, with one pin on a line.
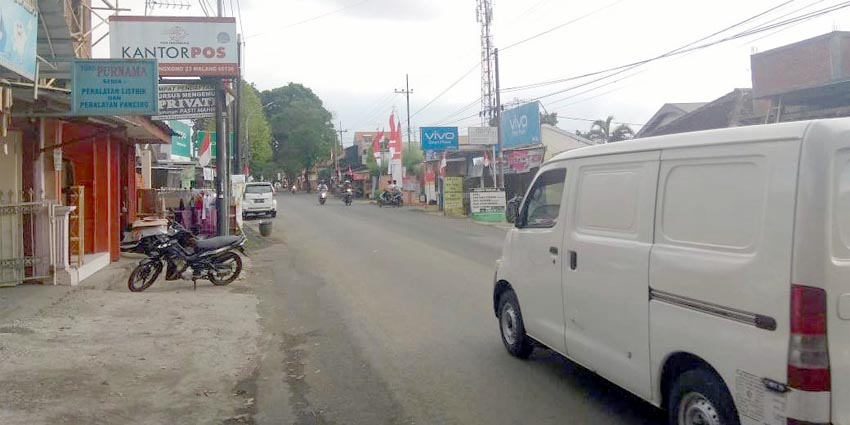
pixel 822 247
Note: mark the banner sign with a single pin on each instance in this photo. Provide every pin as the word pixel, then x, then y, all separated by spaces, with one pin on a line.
pixel 199 140
pixel 185 101
pixel 114 87
pixel 181 143
pixel 18 36
pixel 523 160
pixel 483 136
pixel 453 195
pixel 521 126
pixel 487 200
pixel 185 46
pixel 439 138
pixel 433 155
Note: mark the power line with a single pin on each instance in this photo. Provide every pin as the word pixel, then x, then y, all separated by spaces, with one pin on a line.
pixel 462 77
pixel 458 112
pixel 314 18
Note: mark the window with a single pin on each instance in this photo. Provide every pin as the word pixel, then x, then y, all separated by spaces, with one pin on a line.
pixel 258 188
pixel 544 199
pixel 711 204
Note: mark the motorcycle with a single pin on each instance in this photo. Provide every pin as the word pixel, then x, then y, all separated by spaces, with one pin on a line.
pixel 323 196
pixel 347 196
pixel 391 198
pixel 168 242
pixel 293 189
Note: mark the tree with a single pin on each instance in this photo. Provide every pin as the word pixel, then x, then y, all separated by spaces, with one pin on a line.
pixel 301 127
pixel 255 130
pixel 372 165
pixel 547 118
pixel 412 159
pixel 602 132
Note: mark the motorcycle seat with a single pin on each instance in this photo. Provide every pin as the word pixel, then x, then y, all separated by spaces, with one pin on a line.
pixel 217 242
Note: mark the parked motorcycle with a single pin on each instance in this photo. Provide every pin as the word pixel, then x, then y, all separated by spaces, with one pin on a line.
pixel 169 243
pixel 323 196
pixel 391 199
pixel 347 196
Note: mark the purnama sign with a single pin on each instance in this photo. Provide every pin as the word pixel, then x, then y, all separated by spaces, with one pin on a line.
pixel 113 87
pixel 184 46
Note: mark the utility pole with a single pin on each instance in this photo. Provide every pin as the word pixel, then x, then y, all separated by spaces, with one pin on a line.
pixel 501 162
pixel 407 92
pixel 222 160
pixel 336 161
pixel 237 112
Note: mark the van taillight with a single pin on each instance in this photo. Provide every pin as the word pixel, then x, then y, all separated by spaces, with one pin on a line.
pixel 808 359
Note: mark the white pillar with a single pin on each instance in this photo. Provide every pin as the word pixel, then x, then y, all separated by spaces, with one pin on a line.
pixel 146 169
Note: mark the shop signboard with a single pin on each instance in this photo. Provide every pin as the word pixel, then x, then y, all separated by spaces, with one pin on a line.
pixel 18 36
pixel 185 46
pixel 521 126
pixel 523 160
pixel 483 135
pixel 185 101
pixel 487 200
pixel 114 87
pixel 181 142
pixel 439 138
pixel 453 196
pixel 199 140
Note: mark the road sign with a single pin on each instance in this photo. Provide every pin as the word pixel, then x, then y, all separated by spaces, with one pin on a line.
pixel 439 138
pixel 521 126
pixel 114 87
pixel 483 135
pixel 185 101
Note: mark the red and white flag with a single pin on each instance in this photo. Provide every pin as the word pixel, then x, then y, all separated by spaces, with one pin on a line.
pixel 376 146
pixel 486 159
pixel 205 153
pixel 443 165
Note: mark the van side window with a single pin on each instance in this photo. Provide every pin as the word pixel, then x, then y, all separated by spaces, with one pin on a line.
pixel 714 204
pixel 544 199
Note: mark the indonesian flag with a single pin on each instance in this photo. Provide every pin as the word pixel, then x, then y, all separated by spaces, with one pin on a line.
pixel 349 171
pixel 393 145
pixel 486 159
pixel 376 146
pixel 205 154
pixel 245 170
pixel 398 142
pixel 443 165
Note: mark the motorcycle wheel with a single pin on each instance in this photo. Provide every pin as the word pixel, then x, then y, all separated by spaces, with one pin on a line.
pixel 144 275
pixel 226 269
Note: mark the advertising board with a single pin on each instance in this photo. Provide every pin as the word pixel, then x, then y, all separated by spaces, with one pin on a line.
pixel 521 126
pixel 185 101
pixel 114 87
pixel 439 138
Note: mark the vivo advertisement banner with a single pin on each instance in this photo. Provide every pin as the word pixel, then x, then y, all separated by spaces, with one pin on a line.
pixel 18 34
pixel 439 138
pixel 521 126
pixel 114 87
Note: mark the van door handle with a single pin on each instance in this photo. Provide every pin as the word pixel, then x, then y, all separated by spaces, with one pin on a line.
pixel 573 260
pixel 553 250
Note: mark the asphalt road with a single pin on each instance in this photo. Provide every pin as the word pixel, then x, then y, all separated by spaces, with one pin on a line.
pixel 384 316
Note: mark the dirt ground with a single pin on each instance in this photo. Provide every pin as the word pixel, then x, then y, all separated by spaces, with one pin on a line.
pixel 103 355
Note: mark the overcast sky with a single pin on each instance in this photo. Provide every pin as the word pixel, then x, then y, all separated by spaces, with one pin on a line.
pixel 354 53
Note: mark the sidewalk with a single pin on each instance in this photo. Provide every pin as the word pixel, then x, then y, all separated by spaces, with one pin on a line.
pixel 101 354
pixel 501 225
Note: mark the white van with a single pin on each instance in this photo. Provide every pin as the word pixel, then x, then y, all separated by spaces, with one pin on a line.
pixel 708 273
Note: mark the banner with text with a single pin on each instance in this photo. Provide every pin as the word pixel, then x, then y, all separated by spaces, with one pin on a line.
pixel 483 135
pixel 114 87
pixel 185 101
pixel 181 142
pixel 486 200
pixel 521 126
pixel 523 160
pixel 185 46
pixel 18 36
pixel 439 138
pixel 453 196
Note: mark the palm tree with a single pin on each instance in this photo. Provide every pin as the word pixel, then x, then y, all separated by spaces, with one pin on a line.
pixel 602 132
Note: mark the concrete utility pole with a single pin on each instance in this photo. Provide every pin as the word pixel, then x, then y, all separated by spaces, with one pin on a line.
pixel 336 159
pixel 498 114
pixel 222 160
pixel 407 92
pixel 237 112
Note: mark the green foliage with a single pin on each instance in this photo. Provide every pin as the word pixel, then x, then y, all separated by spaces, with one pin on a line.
pixel 551 119
pixel 412 159
pixel 300 125
pixel 255 129
pixel 372 165
pixel 601 131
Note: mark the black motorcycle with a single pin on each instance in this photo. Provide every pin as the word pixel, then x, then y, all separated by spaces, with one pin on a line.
pixel 391 199
pixel 213 258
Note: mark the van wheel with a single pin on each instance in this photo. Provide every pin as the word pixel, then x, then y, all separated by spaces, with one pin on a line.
pixel 699 397
pixel 512 328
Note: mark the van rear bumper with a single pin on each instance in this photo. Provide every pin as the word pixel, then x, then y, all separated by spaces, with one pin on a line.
pixel 808 407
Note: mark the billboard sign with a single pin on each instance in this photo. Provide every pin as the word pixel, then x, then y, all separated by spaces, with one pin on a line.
pixel 114 87
pixel 439 138
pixel 185 46
pixel 199 140
pixel 523 160
pixel 185 101
pixel 453 196
pixel 487 200
pixel 521 126
pixel 18 36
pixel 181 143
pixel 483 136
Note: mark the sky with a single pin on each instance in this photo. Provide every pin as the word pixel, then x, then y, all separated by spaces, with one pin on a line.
pixel 354 54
